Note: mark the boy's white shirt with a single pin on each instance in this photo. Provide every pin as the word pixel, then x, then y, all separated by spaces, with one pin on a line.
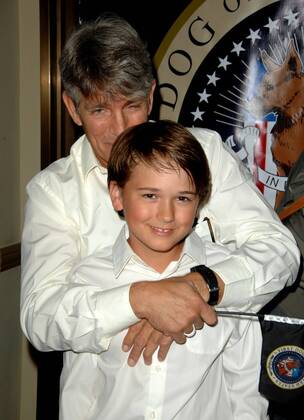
pixel 204 377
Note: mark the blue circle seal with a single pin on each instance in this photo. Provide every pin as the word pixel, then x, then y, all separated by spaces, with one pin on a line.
pixel 285 367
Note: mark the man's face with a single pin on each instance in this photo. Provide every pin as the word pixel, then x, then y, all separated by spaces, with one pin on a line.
pixel 159 208
pixel 104 119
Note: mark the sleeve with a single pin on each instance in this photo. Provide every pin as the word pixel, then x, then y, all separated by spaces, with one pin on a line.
pixel 61 309
pixel 264 256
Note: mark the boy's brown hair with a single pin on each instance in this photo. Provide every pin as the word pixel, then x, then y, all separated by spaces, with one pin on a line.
pixel 162 145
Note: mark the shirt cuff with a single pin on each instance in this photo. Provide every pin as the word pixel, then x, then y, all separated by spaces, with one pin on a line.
pixel 238 283
pixel 116 313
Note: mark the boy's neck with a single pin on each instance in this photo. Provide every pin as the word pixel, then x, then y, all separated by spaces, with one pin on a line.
pixel 158 260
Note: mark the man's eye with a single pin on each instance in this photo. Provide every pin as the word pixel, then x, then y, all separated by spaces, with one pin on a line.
pixel 135 105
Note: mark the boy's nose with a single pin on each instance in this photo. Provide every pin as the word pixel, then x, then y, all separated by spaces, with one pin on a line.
pixel 166 212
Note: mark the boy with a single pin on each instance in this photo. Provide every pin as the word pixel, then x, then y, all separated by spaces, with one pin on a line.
pixel 158 176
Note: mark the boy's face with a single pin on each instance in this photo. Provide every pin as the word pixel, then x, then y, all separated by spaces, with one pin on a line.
pixel 159 208
pixel 104 119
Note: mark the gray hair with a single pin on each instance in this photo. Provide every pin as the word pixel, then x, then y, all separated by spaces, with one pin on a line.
pixel 106 56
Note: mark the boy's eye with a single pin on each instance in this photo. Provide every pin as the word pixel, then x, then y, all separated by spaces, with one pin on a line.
pixel 149 195
pixel 183 198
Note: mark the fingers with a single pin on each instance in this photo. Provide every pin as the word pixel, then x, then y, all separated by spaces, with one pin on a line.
pixel 190 330
pixel 140 339
pixel 180 338
pixel 143 339
pixel 164 346
pixel 208 314
pixel 133 331
pixel 191 333
pixel 199 323
pixel 152 346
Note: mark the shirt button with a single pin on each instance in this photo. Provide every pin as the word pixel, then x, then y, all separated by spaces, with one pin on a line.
pixel 153 415
pixel 158 369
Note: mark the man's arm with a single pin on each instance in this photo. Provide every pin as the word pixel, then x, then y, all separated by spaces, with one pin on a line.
pixel 264 256
pixel 62 308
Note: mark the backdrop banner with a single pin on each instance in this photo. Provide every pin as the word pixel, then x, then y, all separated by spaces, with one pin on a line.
pixel 236 67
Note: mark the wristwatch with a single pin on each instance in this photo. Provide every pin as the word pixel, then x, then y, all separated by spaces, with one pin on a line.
pixel 211 281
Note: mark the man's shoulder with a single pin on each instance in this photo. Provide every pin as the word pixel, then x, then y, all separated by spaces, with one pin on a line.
pixel 210 141
pixel 102 257
pixel 205 136
pixel 59 171
pixel 90 266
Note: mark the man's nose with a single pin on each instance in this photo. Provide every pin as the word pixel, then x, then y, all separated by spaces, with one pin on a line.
pixel 119 122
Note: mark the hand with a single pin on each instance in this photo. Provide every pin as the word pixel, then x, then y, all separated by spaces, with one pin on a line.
pixel 171 306
pixel 142 338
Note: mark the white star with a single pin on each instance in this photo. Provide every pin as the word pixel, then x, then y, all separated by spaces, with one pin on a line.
pixel 203 96
pixel 292 17
pixel 224 62
pixel 197 114
pixel 272 25
pixel 237 48
pixel 254 35
pixel 212 79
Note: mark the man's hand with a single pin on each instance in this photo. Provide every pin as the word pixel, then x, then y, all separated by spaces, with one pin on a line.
pixel 143 339
pixel 171 306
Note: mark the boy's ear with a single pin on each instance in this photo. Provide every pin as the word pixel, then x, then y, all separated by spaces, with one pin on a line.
pixel 116 196
pixel 70 106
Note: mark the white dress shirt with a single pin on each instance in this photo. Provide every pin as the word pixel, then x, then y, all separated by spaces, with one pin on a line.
pixel 214 376
pixel 69 216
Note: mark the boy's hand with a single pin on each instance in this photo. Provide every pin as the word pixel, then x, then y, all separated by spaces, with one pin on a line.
pixel 143 339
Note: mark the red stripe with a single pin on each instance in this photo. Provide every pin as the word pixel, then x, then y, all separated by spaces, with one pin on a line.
pixel 260 152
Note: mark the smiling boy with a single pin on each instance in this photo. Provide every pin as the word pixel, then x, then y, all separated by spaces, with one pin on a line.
pixel 158 178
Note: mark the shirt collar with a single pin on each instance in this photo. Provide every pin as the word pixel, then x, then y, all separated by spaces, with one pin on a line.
pixel 123 253
pixel 88 160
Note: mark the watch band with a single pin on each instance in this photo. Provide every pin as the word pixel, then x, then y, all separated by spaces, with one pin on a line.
pixel 211 281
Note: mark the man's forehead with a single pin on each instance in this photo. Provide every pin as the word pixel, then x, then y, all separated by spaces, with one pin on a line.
pixel 103 99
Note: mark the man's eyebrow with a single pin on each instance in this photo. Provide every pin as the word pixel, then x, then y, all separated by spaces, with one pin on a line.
pixel 95 105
